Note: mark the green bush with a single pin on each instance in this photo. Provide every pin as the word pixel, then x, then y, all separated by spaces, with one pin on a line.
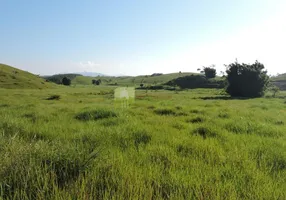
pixel 196 81
pixel 246 80
pixel 210 72
pixel 66 81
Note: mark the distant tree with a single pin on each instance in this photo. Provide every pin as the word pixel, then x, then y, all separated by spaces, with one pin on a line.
pixel 141 85
pixel 210 72
pixel 66 81
pixel 245 80
pixel 97 82
pixel 155 74
pixel 222 73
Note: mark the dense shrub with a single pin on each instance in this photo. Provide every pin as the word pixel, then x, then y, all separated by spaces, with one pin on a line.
pixel 210 72
pixel 196 81
pixel 96 82
pixel 66 81
pixel 246 80
pixel 59 77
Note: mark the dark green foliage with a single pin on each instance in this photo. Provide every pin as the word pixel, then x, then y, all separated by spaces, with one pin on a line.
pixel 66 81
pixel 95 115
pixel 4 105
pixel 196 111
pixel 54 97
pixel 246 80
pixel 156 74
pixel 204 132
pixel 279 122
pixel 165 111
pixel 156 87
pixel 210 72
pixel 196 81
pixel 151 87
pixel 59 77
pixel 96 82
pixel 196 120
pixel 141 137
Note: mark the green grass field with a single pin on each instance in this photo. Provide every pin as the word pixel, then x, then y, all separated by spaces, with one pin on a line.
pixel 76 143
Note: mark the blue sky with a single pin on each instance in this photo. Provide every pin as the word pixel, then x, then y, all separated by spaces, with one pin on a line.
pixel 141 37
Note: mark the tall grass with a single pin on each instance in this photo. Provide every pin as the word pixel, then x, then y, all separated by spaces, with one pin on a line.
pixel 166 146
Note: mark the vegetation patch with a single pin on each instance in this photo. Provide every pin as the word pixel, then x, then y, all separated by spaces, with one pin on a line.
pixel 204 132
pixel 4 105
pixel 181 113
pixel 179 126
pixel 179 107
pixel 151 107
pixel 141 137
pixel 95 115
pixel 196 111
pixel 162 160
pixel 165 111
pixel 31 116
pixel 223 115
pixel 265 157
pixel 279 122
pixel 195 120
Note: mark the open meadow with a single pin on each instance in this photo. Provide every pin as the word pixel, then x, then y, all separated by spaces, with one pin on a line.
pixel 76 143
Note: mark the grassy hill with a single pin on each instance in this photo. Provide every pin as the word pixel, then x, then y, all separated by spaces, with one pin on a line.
pixel 11 77
pixel 280 77
pixel 130 80
pixel 280 81
pixel 57 78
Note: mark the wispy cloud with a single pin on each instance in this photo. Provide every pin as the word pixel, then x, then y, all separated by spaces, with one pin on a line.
pixel 88 66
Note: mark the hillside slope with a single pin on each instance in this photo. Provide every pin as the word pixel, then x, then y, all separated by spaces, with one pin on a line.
pixel 279 81
pixel 130 80
pixel 11 77
pixel 57 78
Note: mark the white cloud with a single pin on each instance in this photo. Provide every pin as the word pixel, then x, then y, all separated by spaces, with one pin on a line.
pixel 89 66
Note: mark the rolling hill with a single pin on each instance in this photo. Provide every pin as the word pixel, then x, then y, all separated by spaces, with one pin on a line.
pixel 12 78
pixel 130 80
pixel 279 81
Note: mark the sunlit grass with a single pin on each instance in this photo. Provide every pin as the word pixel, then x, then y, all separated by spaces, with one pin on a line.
pixel 166 145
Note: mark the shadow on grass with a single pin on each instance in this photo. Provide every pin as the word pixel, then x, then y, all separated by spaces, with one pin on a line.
pixel 222 98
